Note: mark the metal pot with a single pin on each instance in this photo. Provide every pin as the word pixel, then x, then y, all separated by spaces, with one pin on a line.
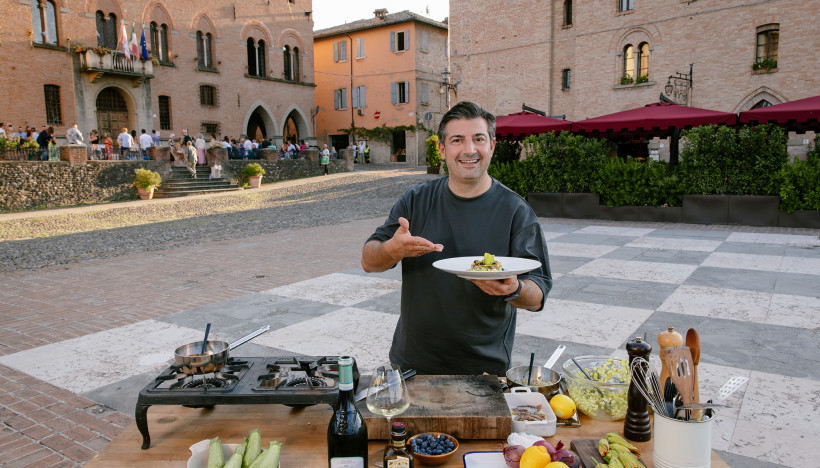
pixel 216 354
pixel 543 380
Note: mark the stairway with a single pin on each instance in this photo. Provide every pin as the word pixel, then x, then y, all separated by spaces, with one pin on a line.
pixel 181 184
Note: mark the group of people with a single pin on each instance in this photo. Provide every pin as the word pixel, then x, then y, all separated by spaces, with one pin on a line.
pixel 28 138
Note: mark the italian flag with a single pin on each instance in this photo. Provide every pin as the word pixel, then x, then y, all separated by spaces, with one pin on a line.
pixel 134 45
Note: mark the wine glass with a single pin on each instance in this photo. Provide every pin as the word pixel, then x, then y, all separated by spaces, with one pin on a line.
pixel 387 394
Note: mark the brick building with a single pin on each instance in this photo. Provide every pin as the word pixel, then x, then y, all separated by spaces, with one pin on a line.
pixel 221 67
pixel 585 58
pixel 384 71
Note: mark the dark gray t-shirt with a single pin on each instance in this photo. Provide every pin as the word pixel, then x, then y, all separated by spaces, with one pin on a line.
pixel 447 324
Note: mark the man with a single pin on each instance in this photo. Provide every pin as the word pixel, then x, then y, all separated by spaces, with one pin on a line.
pixel 185 137
pixel 125 141
pixel 192 158
pixel 74 136
pixel 449 325
pixel 155 137
pixel 292 151
pixel 43 139
pixel 145 142
pixel 247 148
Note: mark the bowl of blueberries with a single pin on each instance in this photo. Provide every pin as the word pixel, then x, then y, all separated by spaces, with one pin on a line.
pixel 433 448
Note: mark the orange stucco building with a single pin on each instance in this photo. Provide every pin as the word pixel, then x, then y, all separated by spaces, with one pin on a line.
pixel 381 72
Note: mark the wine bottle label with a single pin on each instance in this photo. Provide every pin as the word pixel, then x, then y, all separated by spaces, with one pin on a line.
pixel 347 462
pixel 345 386
pixel 399 462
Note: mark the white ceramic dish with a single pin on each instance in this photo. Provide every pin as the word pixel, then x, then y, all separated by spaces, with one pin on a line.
pixel 484 460
pixel 523 396
pixel 199 453
pixel 512 266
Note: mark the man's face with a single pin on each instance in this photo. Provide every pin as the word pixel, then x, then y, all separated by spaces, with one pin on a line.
pixel 467 149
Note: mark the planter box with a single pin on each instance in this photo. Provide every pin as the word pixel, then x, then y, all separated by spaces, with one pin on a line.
pixel 663 214
pixel 754 210
pixel 800 219
pixel 581 205
pixel 159 153
pixel 546 204
pixel 622 213
pixel 434 170
pixel 74 154
pixel 706 209
pixel 268 154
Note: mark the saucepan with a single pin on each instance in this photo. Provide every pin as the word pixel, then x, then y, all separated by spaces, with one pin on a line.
pixel 194 362
pixel 544 379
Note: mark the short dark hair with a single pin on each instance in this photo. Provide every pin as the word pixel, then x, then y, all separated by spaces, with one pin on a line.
pixel 466 110
pixel 143 130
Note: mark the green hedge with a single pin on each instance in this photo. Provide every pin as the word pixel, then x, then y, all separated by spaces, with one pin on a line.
pixel 713 160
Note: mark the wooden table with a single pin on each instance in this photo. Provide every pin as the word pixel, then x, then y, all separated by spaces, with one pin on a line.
pixel 302 431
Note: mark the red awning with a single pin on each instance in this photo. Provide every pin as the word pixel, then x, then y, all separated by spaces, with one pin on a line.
pixel 527 123
pixel 801 113
pixel 654 118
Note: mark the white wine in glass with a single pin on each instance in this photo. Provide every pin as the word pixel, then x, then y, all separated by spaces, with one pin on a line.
pixel 388 394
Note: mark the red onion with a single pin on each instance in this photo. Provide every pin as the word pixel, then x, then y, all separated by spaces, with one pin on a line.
pixel 566 456
pixel 512 455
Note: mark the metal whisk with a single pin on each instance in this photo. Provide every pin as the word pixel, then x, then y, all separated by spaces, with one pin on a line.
pixel 646 379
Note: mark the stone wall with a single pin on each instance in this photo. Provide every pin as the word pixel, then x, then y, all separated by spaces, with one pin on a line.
pixel 284 169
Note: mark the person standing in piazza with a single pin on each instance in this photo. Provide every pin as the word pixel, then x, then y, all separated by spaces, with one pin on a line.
pixel 145 142
pixel 125 141
pixel 325 160
pixel 74 136
pixel 109 146
pixel 185 137
pixel 447 324
pixel 192 158
pixel 200 149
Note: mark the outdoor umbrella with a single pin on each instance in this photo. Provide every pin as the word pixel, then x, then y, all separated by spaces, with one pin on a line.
pixel 802 114
pixel 520 124
pixel 658 119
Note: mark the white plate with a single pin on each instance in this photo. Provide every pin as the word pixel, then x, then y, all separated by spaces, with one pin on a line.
pixel 484 460
pixel 512 266
pixel 200 451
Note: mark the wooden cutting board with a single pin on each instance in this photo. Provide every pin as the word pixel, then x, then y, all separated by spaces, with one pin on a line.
pixel 464 406
pixel 588 449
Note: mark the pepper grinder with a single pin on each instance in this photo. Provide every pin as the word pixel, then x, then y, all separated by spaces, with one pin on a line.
pixel 667 339
pixel 637 426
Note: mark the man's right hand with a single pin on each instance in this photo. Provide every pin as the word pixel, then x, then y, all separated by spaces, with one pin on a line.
pixel 379 256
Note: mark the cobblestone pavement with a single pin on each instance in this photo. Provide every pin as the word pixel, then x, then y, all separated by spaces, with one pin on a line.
pixel 74 272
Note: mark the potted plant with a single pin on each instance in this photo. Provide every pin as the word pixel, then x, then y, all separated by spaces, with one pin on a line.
pixel 626 80
pixel 642 79
pixel 433 155
pixel 254 174
pixel 146 181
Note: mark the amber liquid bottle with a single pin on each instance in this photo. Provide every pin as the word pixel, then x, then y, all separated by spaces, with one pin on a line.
pixel 398 454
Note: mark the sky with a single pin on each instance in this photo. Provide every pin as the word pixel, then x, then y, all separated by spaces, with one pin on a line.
pixel 328 13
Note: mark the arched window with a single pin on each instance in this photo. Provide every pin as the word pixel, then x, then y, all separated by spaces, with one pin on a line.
pixel 251 58
pixel 260 51
pixel 163 43
pixel 204 52
pixel 100 19
pixel 287 69
pixel 44 22
pixel 567 12
pixel 643 60
pixel 154 33
pixel 296 75
pixel 761 103
pixel 629 64
pixel 110 34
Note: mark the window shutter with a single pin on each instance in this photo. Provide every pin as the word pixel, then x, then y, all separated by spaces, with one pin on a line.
pixel 335 51
pixel 423 93
pixel 406 91
pixel 394 93
pixel 360 53
pixel 361 96
pixel 406 39
pixel 343 93
pixel 393 41
pixel 336 99
pixel 354 99
pixel 343 51
pixel 423 38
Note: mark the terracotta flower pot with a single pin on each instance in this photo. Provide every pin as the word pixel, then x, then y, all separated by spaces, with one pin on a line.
pixel 146 194
pixel 254 181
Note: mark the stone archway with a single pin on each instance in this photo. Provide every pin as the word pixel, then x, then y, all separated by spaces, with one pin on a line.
pixel 112 111
pixel 259 124
pixel 295 126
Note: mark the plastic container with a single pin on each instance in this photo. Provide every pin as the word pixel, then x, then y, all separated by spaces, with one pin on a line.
pixel 519 396
pixel 682 444
pixel 608 405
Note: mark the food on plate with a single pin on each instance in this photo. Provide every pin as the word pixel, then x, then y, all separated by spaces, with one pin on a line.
pixel 216 459
pixel 562 406
pixel 248 454
pixel 236 459
pixel 254 447
pixel 535 457
pixel 528 413
pixel 488 263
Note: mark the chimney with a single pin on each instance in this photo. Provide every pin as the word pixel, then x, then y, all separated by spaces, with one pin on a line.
pixel 380 14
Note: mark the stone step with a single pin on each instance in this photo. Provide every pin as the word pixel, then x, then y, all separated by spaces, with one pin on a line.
pixel 183 187
pixel 189 180
pixel 159 193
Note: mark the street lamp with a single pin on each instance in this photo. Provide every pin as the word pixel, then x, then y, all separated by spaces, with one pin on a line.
pixel 447 85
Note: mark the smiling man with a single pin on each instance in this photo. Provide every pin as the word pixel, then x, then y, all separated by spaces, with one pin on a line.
pixel 450 325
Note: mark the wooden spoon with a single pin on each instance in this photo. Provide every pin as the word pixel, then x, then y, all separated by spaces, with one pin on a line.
pixel 693 342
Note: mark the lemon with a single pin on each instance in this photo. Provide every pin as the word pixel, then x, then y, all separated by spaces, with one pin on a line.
pixel 535 457
pixel 556 465
pixel 562 406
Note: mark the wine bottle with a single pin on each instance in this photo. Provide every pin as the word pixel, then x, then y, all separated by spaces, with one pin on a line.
pixel 398 454
pixel 347 431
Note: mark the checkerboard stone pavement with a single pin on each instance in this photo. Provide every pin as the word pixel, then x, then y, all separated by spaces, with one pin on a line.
pixel 753 296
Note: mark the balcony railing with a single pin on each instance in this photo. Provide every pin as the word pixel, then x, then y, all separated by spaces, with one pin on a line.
pixel 115 64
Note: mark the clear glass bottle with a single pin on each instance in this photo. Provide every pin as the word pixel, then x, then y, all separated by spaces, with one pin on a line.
pixel 398 454
pixel 347 430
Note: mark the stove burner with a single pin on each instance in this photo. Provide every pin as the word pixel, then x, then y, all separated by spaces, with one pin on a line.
pixel 210 382
pixel 314 382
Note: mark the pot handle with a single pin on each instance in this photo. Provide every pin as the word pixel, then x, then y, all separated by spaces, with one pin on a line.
pixel 248 337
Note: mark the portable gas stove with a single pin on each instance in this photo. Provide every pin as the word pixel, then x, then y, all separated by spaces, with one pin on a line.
pixel 294 381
